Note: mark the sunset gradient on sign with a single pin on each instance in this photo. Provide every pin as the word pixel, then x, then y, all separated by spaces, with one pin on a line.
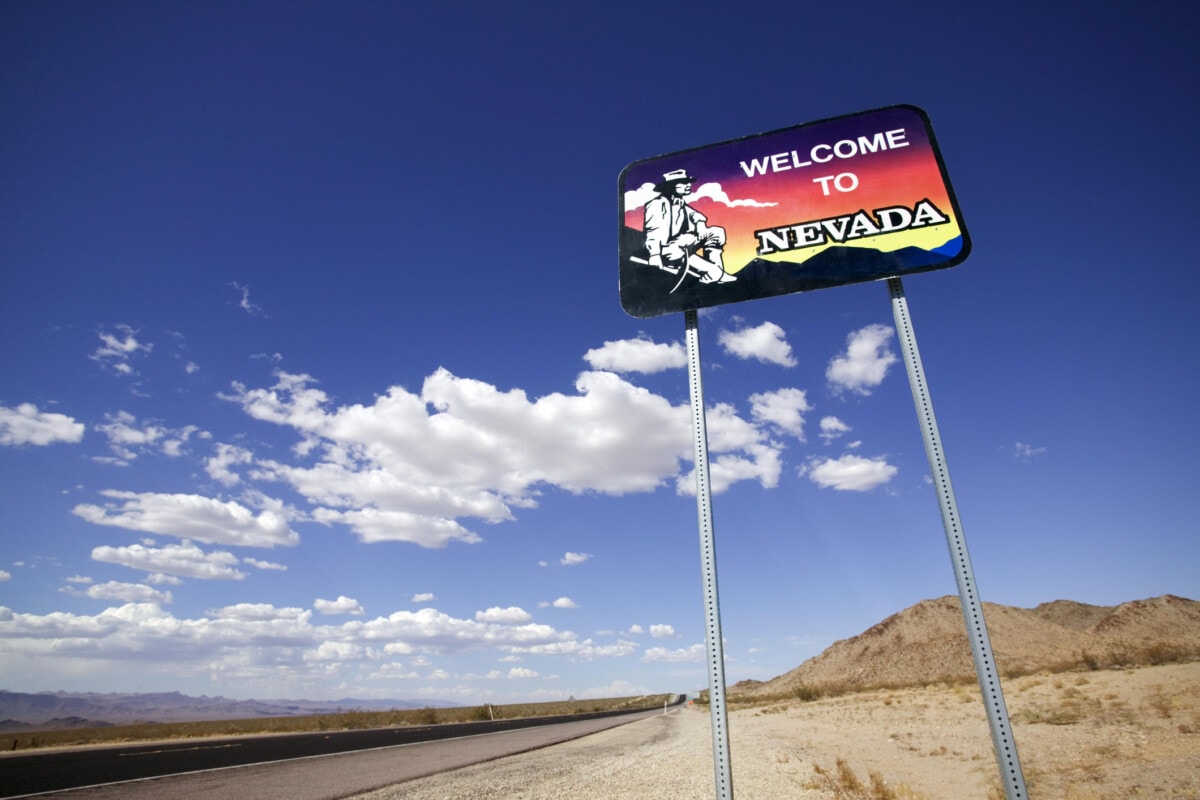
pixel 813 172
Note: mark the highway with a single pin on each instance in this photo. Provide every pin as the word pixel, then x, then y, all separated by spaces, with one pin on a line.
pixel 406 753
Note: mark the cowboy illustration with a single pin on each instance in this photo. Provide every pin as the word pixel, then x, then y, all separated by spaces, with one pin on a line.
pixel 678 237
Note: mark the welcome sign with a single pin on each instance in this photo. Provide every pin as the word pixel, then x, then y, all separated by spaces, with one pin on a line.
pixel 844 200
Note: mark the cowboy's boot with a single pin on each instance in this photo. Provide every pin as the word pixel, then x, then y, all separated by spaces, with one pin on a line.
pixel 712 267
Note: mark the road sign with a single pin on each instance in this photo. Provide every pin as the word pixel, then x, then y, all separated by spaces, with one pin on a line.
pixel 844 200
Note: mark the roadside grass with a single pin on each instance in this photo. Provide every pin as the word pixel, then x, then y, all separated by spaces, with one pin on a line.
pixel 315 723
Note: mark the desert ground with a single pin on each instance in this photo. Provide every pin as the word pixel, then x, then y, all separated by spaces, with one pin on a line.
pixel 1084 735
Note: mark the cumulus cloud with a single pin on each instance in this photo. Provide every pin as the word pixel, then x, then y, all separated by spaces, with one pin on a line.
pixel 516 673
pixel 850 473
pixel 571 559
pixel 636 198
pixel 766 343
pixel 662 631
pixel 228 455
pixel 423 597
pixel 783 408
pixel 714 192
pixel 564 602
pixel 128 593
pixel 26 425
pixel 637 355
pixel 128 438
pixel 185 559
pixel 431 631
pixel 189 516
pixel 259 644
pixel 832 428
pixel 411 466
pixel 865 362
pixel 505 616
pixel 118 348
pixel 373 525
pixel 5 576
pixel 694 653
pixel 267 565
pixel 260 612
pixel 744 452
pixel 343 605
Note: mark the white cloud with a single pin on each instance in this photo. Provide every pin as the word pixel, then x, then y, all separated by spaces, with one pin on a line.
pixel 636 198
pixel 586 650
pixel 783 408
pixel 743 453
pixel 185 559
pixel 832 428
pixel 128 593
pixel 1027 452
pixel 714 192
pixel 766 343
pixel 343 605
pixel 6 576
pixel 268 565
pixel 850 473
pixel 128 438
pixel 522 672
pixel 338 652
pixel 373 525
pixel 228 455
pixel 694 653
pixel 564 602
pixel 662 631
pixel 637 355
pixel 423 597
pixel 571 559
pixel 259 612
pixel 244 303
pixel 504 616
pixel 636 630
pixel 431 631
pixel 259 644
pixel 116 349
pixel 26 425
pixel 409 467
pixel 189 516
pixel 865 362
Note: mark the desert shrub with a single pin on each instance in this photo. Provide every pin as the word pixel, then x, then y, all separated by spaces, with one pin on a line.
pixel 845 785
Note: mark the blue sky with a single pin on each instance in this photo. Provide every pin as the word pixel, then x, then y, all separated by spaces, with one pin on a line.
pixel 316 382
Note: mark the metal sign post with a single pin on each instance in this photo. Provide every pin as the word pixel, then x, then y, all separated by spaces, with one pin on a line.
pixel 708 566
pixel 981 646
pixel 845 200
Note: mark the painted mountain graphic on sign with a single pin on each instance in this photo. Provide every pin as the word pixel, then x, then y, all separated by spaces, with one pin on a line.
pixel 649 292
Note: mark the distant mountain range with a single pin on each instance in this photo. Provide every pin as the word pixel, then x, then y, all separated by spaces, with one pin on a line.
pixel 47 710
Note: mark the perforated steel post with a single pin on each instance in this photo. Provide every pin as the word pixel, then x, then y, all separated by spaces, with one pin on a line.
pixel 1011 776
pixel 723 773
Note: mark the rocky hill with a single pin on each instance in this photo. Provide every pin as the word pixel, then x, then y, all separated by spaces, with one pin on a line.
pixel 927 643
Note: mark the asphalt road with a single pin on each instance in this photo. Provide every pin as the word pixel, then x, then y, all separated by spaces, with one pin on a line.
pixel 317 766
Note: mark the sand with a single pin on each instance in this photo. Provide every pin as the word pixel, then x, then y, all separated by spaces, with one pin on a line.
pixel 1102 735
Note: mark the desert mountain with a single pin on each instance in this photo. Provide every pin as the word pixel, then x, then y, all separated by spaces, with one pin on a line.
pixel 927 643
pixel 46 710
